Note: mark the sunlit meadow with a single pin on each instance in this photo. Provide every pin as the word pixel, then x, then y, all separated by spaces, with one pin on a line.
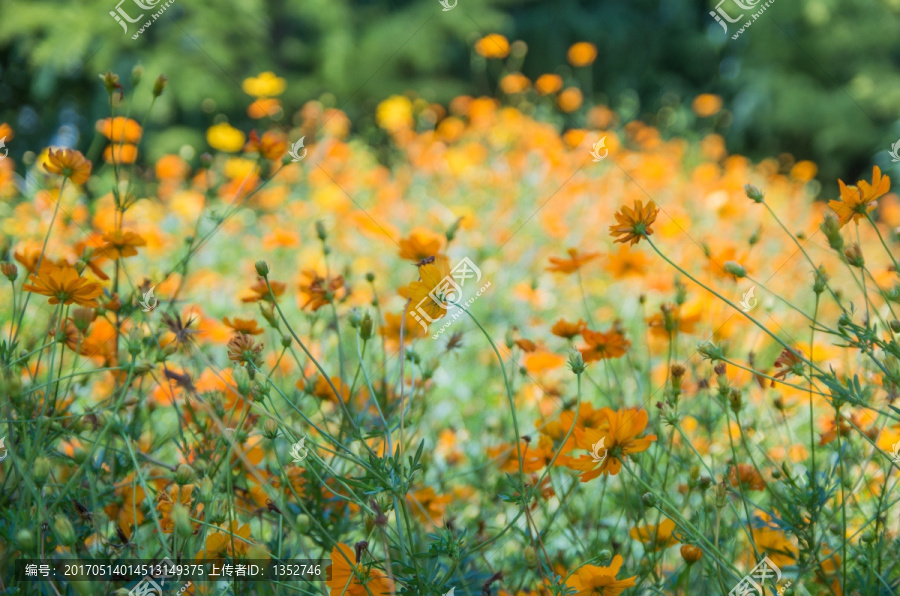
pixel 663 365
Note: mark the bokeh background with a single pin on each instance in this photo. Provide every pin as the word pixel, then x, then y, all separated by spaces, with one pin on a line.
pixel 811 80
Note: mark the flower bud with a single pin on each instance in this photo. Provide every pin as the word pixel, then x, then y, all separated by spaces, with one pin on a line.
pixel 721 494
pixel 160 85
pixel 303 522
pixel 735 269
pixel 604 555
pixel 366 327
pixel 831 227
pixel 270 429
pixel 649 500
pixel 576 362
pixel 354 317
pixel 110 81
pixel 206 489
pixel 262 268
pixel 711 351
pixel 530 556
pixel 25 539
pixel 64 530
pixel 320 230
pixel 136 74
pixel 854 256
pixel 182 519
pixel 370 277
pixel 9 270
pixel 285 341
pixel 753 193
pixel 734 398
pixel 183 474
pixel 895 325
pixel 690 553
pixel 40 470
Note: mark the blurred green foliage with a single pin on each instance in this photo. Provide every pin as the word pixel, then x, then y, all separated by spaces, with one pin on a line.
pixel 814 78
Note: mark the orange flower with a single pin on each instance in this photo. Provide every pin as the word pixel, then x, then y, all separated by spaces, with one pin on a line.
pixel 420 244
pixel 526 345
pixel 634 223
pixel 857 201
pixel 427 295
pixel 349 577
pixel 655 537
pixel 570 99
pixel 63 284
pixel 120 244
pixel 165 502
pixel 120 154
pixel 627 263
pixel 261 292
pixel 514 83
pixel 264 108
pixel 120 130
pixel 707 104
pixel 427 505
pixel 243 349
pixel 323 390
pixel 582 53
pixel 273 144
pixel 391 328
pixel 789 362
pixel 548 83
pixel 573 263
pixel 619 431
pixel 228 540
pixel 70 164
pixel 691 554
pixel 533 458
pixel 601 346
pixel 595 580
pixel 564 329
pixel 316 291
pixel 746 475
pixel 775 544
pixel 492 46
pixel 244 326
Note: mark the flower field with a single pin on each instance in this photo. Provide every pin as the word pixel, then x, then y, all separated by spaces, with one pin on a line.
pixel 518 344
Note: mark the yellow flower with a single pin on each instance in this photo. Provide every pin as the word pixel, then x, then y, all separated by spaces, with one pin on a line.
pixel 857 201
pixel 426 295
pixel 655 537
pixel 548 83
pixel 570 99
pixel 582 53
pixel 707 104
pixel 265 85
pixel 595 580
pixel 63 284
pixel 394 113
pixel 70 164
pixel 492 46
pixel 225 137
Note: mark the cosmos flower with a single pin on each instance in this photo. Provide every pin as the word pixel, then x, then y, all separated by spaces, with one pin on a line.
pixel 596 580
pixel 426 295
pixel 634 223
pixel 120 244
pixel 857 201
pixel 349 577
pixel 63 284
pixel 575 261
pixel 619 432
pixel 70 164
pixel 603 345
pixel 492 46
pixel 244 326
pixel 655 536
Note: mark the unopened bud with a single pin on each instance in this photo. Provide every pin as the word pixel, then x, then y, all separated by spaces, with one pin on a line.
pixel 649 500
pixel 64 530
pixel 753 193
pixel 320 231
pixel 262 268
pixel 735 269
pixel 366 327
pixel 183 474
pixel 576 362
pixel 40 470
pixel 9 270
pixel 25 539
pixel 270 429
pixel 160 85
